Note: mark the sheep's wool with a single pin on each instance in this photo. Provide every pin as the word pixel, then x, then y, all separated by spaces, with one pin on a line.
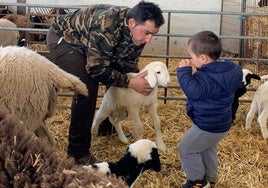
pixel 28 86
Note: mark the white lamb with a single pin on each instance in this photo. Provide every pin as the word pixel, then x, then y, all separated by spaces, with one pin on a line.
pixel 28 84
pixel 119 102
pixel 260 104
pixel 8 37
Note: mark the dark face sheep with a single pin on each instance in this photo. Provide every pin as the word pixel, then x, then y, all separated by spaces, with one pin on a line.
pixel 247 76
pixel 4 10
pixel 140 156
pixel 262 3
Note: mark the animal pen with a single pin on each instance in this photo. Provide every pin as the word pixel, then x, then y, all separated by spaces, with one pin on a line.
pixel 243 154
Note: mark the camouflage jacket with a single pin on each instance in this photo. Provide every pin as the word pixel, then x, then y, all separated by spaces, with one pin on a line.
pixel 100 31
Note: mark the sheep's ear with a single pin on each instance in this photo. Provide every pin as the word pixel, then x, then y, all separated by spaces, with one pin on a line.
pixel 151 78
pixel 154 163
pixel 251 76
pixel 255 76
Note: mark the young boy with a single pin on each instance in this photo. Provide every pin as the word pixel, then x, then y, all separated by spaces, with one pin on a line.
pixel 210 93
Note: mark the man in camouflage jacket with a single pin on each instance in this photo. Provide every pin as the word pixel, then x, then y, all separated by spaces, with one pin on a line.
pixel 101 43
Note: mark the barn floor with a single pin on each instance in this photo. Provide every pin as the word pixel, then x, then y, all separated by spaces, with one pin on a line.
pixel 243 154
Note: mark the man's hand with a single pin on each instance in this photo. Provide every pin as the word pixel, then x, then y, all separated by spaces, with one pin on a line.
pixel 140 84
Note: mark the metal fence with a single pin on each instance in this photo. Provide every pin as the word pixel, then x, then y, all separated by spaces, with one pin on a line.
pixel 240 39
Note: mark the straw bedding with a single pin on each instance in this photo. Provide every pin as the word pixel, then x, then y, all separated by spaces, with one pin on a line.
pixel 243 154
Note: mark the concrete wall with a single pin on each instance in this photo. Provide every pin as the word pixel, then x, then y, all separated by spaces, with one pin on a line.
pixel 184 24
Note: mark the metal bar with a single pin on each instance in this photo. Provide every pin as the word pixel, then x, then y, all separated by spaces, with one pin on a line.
pixel 164 11
pixel 168 35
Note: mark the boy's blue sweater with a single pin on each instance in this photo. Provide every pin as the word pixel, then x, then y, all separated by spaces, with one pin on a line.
pixel 210 93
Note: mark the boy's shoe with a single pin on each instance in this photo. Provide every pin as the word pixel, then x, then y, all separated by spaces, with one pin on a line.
pixel 212 184
pixel 196 184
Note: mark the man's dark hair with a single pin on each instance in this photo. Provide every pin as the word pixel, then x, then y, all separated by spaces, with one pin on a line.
pixel 144 11
pixel 206 42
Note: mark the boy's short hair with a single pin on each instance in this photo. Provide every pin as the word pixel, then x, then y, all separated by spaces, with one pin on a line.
pixel 206 42
pixel 144 11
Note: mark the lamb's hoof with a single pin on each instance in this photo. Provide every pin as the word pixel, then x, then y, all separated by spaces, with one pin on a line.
pixel 124 140
pixel 94 130
pixel 162 147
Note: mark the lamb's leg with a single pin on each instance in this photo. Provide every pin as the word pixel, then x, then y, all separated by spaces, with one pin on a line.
pixel 116 123
pixel 153 113
pixel 263 115
pixel 251 113
pixel 100 116
pixel 138 125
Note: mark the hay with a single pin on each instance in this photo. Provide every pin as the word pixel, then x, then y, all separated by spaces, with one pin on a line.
pixel 38 47
pixel 243 154
pixel 256 26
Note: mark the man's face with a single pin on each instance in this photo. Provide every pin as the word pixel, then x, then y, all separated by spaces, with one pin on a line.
pixel 142 33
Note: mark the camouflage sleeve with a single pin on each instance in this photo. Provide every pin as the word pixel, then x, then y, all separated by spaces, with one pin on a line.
pixel 108 60
pixel 109 49
pixel 108 72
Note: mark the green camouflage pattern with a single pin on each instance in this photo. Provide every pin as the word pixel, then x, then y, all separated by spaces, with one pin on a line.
pixel 100 31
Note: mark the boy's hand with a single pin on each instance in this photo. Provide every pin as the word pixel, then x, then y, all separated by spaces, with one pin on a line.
pixel 184 63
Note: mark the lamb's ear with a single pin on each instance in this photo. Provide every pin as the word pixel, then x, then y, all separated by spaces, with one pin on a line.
pixel 251 76
pixel 151 78
pixel 255 76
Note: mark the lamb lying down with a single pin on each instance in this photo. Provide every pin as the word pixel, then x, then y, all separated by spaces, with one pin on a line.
pixel 119 102
pixel 141 155
pixel 259 104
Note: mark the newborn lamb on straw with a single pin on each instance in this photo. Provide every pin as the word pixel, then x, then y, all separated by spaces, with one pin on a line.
pixel 141 155
pixel 118 103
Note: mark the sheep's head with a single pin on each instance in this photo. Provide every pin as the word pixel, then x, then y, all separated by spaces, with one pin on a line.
pixel 262 3
pixel 247 76
pixel 158 74
pixel 102 167
pixel 146 152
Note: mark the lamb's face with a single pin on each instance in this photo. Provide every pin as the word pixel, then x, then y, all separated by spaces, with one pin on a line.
pixel 102 167
pixel 146 152
pixel 158 71
pixel 162 75
pixel 247 76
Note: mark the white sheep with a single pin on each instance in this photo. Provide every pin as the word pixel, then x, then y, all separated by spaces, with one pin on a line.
pixel 259 104
pixel 8 37
pixel 119 102
pixel 28 84
pixel 141 155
